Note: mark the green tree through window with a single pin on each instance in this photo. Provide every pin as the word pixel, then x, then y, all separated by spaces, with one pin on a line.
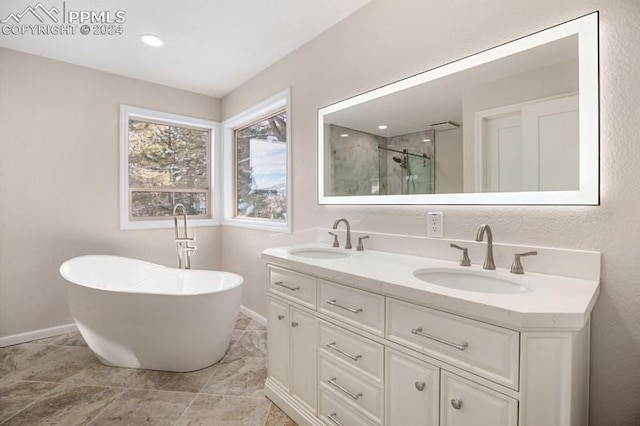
pixel 168 164
pixel 261 169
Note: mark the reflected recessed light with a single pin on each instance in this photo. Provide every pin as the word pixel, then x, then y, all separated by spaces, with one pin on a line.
pixel 426 140
pixel 344 135
pixel 382 126
pixel 151 40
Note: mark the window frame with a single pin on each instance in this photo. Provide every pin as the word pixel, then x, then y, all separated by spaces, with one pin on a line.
pixel 128 112
pixel 276 103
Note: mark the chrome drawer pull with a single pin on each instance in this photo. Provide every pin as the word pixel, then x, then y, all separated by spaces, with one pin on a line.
pixel 333 346
pixel 420 386
pixel 280 317
pixel 334 302
pixel 332 417
pixel 456 403
pixel 281 284
pixel 332 381
pixel 462 346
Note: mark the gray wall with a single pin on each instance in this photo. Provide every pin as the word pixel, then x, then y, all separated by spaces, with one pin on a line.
pixel 59 181
pixel 410 36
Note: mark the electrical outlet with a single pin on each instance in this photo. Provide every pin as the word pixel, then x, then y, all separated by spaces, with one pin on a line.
pixel 435 227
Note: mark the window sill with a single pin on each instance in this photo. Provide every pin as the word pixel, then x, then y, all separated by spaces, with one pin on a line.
pixel 262 225
pixel 165 224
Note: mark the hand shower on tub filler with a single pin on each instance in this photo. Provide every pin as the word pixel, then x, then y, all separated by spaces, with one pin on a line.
pixel 185 249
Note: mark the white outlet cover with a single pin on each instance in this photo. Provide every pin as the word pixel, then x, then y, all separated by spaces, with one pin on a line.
pixel 435 227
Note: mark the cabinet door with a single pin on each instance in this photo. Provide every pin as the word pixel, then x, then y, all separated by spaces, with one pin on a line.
pixel 278 337
pixel 465 403
pixel 303 358
pixel 412 390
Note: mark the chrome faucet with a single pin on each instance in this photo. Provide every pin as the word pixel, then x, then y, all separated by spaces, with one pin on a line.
pixel 488 261
pixel 185 250
pixel 346 222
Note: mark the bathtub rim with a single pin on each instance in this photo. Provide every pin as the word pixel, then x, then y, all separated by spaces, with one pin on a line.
pixel 239 278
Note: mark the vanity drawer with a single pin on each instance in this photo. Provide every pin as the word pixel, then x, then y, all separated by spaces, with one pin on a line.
pixel 359 352
pixel 292 285
pixel 463 402
pixel 334 412
pixel 483 349
pixel 359 308
pixel 347 386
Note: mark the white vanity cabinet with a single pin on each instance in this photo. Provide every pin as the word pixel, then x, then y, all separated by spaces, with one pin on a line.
pixel 413 396
pixel 340 355
pixel 292 338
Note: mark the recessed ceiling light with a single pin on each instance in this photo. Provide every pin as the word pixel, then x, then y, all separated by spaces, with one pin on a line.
pixel 426 140
pixel 382 126
pixel 151 40
pixel 344 135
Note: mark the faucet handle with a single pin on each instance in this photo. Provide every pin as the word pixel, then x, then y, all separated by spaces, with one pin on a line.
pixel 465 261
pixel 360 245
pixel 516 266
pixel 336 243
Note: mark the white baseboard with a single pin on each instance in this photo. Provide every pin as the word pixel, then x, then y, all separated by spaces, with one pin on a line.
pixel 253 315
pixel 29 336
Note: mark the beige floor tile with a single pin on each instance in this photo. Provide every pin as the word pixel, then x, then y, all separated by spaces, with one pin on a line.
pixel 142 406
pixel 97 374
pixel 19 357
pixel 242 322
pixel 53 366
pixel 252 343
pixel 255 325
pixel 209 410
pixel 66 405
pixel 192 381
pixel 238 376
pixel 277 417
pixel 14 396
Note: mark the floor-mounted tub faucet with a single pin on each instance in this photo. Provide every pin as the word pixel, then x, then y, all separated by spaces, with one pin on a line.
pixel 185 250
pixel 488 261
pixel 346 222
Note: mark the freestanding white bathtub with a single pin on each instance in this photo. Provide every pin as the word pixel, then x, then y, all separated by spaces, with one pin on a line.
pixel 140 315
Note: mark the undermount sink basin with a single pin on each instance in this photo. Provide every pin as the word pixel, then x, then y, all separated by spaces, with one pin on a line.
pixel 320 253
pixel 478 281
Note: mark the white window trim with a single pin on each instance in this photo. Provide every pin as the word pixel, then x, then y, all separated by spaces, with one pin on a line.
pixel 126 112
pixel 278 102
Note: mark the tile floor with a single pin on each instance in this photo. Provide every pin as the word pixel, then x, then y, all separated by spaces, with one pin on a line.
pixel 58 381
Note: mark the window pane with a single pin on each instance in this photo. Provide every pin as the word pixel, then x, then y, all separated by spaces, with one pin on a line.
pixel 162 155
pixel 261 169
pixel 160 204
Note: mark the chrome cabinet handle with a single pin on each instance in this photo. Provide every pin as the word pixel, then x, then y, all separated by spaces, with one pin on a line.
pixel 460 346
pixel 333 382
pixel 332 417
pixel 333 346
pixel 335 303
pixel 420 386
pixel 294 324
pixel 280 317
pixel 282 284
pixel 456 403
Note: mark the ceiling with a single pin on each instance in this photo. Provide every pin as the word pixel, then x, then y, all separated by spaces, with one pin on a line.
pixel 210 46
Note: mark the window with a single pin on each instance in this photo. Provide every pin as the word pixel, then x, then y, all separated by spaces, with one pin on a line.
pixel 166 159
pixel 257 181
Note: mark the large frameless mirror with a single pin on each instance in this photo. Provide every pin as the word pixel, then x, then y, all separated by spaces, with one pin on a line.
pixel 515 124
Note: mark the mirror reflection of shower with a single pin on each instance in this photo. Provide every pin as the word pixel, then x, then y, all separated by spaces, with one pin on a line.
pixel 368 164
pixel 411 183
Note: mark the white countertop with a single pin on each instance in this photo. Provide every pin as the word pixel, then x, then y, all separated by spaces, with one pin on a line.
pixel 554 301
